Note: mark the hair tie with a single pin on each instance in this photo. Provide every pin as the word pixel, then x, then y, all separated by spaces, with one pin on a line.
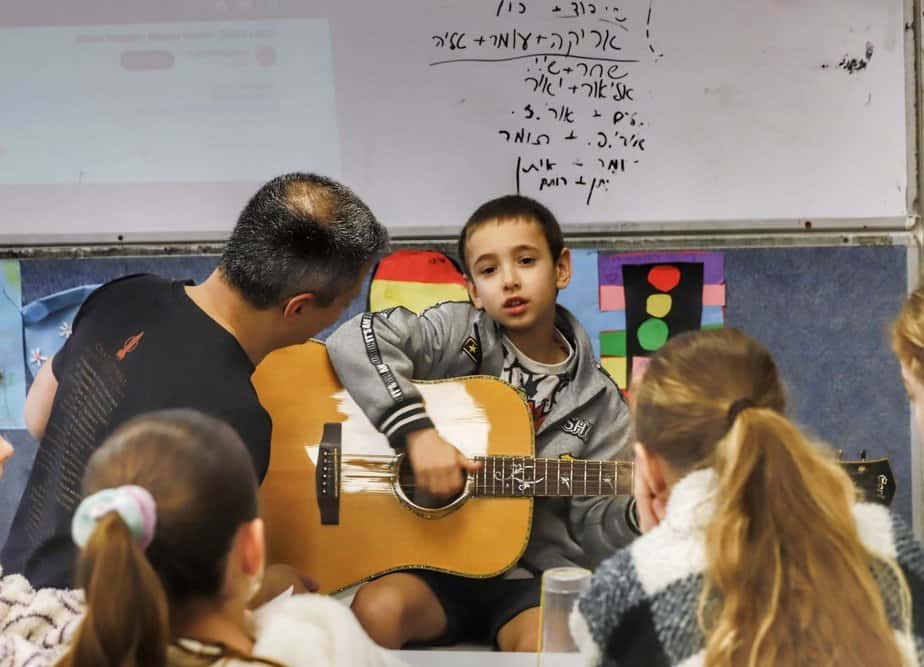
pixel 735 409
pixel 134 504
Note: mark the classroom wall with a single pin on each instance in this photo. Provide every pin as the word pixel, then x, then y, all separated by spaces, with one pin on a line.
pixel 822 311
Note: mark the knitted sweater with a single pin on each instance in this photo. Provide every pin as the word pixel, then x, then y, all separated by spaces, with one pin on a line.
pixel 641 606
pixel 35 625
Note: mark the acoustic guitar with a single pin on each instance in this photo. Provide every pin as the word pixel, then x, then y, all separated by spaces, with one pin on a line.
pixel 339 503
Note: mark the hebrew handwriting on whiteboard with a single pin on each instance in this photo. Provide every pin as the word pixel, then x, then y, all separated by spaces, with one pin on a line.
pixel 573 64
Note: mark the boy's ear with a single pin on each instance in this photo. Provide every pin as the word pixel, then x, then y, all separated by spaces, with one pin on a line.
pixel 563 269
pixel 295 305
pixel 473 293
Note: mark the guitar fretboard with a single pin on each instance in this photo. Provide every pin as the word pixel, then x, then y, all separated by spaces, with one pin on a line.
pixel 520 476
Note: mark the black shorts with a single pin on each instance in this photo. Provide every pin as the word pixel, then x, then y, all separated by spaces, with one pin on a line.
pixel 476 609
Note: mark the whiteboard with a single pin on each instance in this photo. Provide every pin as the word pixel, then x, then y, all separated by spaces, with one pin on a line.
pixel 159 123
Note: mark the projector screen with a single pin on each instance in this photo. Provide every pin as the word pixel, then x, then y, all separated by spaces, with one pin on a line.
pixel 156 121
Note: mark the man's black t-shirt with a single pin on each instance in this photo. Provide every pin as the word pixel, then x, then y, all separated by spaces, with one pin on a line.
pixel 138 344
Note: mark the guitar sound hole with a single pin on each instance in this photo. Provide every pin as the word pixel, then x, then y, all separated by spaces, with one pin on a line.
pixel 418 496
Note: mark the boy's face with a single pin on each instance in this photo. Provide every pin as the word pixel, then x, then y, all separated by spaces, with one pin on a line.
pixel 513 276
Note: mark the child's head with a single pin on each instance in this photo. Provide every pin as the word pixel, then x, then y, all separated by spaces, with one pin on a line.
pixel 169 520
pixel 514 258
pixel 511 208
pixel 682 405
pixel 908 344
pixel 782 530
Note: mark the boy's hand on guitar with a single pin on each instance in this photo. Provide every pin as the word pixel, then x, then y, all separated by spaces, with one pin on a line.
pixel 437 465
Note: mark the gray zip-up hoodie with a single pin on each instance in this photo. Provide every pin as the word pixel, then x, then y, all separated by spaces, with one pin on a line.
pixel 376 355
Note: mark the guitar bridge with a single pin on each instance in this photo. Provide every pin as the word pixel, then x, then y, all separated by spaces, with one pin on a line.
pixel 327 475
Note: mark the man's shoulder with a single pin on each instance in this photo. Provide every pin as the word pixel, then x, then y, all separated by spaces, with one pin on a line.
pixel 133 283
pixel 125 292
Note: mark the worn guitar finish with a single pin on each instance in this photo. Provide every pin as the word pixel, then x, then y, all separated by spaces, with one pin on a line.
pixel 377 532
pixel 340 505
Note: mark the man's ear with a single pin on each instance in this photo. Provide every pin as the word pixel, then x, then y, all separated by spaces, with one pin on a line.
pixel 563 269
pixel 473 293
pixel 650 466
pixel 252 547
pixel 295 305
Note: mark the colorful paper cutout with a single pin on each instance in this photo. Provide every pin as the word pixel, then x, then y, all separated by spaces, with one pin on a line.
pixel 613 343
pixel 12 369
pixel 610 264
pixel 659 305
pixel 663 277
pixel 416 280
pixel 712 315
pixel 647 332
pixel 652 334
pixel 612 297
pixel 616 367
pixel 713 295
pixel 47 323
pixel 582 295
pixel 661 295
pixel 416 297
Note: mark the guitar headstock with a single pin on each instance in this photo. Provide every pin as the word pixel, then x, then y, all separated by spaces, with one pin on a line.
pixel 873 477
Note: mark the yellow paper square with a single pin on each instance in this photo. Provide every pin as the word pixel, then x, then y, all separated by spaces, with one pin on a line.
pixel 616 367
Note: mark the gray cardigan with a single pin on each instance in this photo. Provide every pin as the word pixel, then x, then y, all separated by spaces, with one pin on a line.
pixel 376 355
pixel 641 606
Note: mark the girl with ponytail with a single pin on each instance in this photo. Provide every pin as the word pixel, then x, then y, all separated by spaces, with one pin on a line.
pixel 172 550
pixel 908 344
pixel 755 550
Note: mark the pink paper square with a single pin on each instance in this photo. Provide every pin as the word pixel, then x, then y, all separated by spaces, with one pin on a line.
pixel 714 295
pixel 612 297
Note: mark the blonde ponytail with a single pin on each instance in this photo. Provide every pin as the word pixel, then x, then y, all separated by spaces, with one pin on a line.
pixel 787 576
pixel 908 333
pixel 787 579
pixel 126 622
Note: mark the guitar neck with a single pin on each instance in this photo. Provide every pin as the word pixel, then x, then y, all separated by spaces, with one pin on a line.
pixel 521 476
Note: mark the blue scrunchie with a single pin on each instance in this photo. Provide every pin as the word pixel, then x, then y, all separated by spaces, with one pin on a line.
pixel 134 504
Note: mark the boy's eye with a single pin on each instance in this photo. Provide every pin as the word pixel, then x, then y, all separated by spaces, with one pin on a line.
pixel 527 260
pixel 486 270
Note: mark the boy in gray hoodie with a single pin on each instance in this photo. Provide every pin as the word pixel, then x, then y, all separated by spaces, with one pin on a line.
pixel 515 262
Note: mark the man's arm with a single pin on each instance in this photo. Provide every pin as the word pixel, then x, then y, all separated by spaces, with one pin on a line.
pixel 39 400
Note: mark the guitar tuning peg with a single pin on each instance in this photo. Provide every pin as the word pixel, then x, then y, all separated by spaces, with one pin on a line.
pixel 840 454
pixel 862 454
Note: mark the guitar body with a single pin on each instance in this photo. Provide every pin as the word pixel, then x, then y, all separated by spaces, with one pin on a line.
pixel 376 532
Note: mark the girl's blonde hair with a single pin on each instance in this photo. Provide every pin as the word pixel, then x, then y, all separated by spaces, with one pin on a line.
pixel 787 579
pixel 908 334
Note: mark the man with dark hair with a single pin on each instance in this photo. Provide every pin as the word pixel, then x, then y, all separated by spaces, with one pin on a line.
pixel 295 260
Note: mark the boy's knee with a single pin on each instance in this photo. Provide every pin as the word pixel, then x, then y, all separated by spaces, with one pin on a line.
pixel 521 633
pixel 381 610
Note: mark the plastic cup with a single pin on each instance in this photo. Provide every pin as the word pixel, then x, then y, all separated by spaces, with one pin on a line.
pixel 561 588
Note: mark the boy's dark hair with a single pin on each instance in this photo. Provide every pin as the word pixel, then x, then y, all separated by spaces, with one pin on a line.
pixel 300 233
pixel 513 207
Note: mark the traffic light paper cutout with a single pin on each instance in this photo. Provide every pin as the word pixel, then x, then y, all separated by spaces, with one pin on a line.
pixel 662 300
